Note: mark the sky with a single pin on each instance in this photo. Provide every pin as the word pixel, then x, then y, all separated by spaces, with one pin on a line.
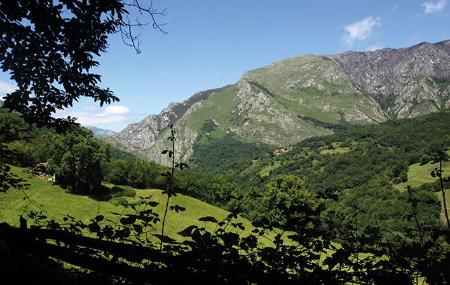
pixel 210 44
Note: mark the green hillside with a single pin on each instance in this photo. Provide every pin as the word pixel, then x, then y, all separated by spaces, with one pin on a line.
pixel 278 105
pixel 361 166
pixel 419 174
pixel 56 202
pixel 315 87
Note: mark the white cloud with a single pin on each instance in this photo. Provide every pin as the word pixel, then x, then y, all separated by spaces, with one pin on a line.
pixel 434 7
pixel 117 110
pixel 94 116
pixel 6 87
pixel 360 30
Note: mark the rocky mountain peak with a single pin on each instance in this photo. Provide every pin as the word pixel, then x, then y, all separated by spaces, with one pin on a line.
pixel 394 77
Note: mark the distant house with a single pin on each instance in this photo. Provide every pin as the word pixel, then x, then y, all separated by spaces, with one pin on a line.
pixel 41 170
pixel 278 151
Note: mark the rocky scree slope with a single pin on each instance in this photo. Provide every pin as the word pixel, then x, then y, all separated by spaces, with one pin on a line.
pixel 290 100
pixel 399 79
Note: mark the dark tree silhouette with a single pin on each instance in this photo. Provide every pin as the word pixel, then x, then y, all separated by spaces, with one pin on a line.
pixel 50 47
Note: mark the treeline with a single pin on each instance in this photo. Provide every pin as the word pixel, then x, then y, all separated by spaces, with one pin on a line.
pixel 80 162
pixel 213 189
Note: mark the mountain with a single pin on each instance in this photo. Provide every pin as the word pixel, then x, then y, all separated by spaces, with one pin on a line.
pixel 101 133
pixel 288 101
pixel 398 79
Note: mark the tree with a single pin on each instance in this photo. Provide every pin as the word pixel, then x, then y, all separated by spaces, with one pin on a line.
pixel 287 204
pixel 50 47
pixel 12 128
pixel 76 161
pixel 441 156
pixel 141 175
pixel 116 171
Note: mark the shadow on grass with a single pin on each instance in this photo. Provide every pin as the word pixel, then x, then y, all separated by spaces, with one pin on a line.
pixel 105 193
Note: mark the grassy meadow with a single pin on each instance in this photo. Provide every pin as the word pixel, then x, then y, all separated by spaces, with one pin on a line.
pixel 420 174
pixel 56 202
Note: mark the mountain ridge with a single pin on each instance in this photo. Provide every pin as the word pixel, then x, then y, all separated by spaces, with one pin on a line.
pixel 278 104
pixel 101 133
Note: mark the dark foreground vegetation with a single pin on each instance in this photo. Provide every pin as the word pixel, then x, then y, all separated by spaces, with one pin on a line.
pixel 332 222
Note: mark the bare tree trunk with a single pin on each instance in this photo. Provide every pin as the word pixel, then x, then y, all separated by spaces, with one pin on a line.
pixel 443 194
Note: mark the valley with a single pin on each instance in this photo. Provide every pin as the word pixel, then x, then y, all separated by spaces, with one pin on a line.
pixel 315 169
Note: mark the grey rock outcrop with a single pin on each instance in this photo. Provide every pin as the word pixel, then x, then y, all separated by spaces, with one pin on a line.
pixel 395 77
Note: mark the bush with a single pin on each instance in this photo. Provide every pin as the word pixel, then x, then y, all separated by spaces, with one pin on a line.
pixel 119 201
pixel 122 191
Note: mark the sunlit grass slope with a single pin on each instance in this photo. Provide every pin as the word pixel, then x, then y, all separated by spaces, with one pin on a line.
pixel 57 202
pixel 421 174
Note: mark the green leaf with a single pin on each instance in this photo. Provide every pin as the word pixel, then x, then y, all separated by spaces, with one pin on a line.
pixel 94 228
pixel 177 208
pixel 165 239
pixel 208 219
pixel 187 232
pixel 128 220
pixel 152 203
pixel 99 218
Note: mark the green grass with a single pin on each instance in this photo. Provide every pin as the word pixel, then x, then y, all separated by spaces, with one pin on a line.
pixel 57 202
pixel 218 106
pixel 336 150
pixel 266 170
pixel 420 174
pixel 305 85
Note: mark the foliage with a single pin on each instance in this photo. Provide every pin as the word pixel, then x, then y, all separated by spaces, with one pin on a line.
pixel 137 173
pixel 213 189
pixel 75 159
pixel 286 204
pixel 51 58
pixel 215 253
pixel 226 155
pixel 12 128
pixel 377 158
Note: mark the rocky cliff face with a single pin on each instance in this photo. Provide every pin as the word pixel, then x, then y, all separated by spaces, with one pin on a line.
pixel 143 135
pixel 398 79
pixel 294 99
pixel 257 108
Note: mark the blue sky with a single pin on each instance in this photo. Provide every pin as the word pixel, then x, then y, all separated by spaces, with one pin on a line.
pixel 211 43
